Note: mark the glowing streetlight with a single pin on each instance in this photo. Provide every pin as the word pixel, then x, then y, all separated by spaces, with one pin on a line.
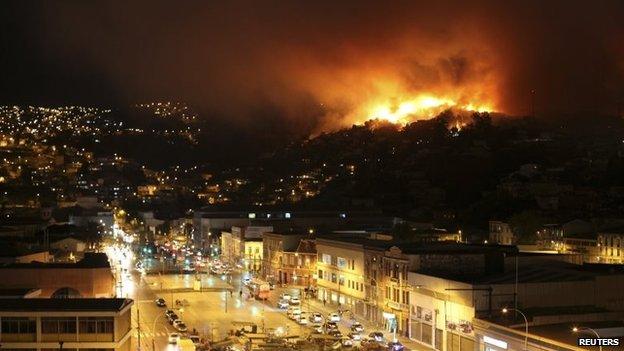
pixel 526 325
pixel 582 329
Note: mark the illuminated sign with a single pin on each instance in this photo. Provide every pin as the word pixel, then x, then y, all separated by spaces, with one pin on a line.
pixel 495 342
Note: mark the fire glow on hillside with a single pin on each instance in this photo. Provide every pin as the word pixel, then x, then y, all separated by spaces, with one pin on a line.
pixel 421 107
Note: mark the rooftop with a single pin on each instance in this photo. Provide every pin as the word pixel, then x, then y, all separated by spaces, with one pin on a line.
pixel 533 272
pixel 90 260
pixel 64 305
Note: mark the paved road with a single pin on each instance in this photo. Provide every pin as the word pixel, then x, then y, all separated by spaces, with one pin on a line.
pixel 212 312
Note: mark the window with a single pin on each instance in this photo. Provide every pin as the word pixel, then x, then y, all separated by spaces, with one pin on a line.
pixel 327 259
pixel 341 280
pixel 333 278
pixel 341 262
pixel 58 325
pixel 18 325
pixel 95 325
pixel 320 274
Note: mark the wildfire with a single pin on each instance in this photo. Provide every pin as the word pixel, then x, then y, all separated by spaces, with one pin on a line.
pixel 424 106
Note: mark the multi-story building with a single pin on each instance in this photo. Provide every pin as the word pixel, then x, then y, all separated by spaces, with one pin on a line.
pixel 395 266
pixel 611 246
pixel 71 324
pixel 244 245
pixel 374 283
pixel 446 303
pixel 340 271
pixel 89 277
pixel 501 233
pixel 288 258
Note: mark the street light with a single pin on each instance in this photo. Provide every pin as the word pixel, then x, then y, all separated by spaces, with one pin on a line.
pixel 526 325
pixel 582 329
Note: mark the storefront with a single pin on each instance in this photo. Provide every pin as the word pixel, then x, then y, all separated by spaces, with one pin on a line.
pixel 494 344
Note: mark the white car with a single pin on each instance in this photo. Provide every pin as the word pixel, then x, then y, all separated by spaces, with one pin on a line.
pixel 180 326
pixel 303 319
pixel 174 338
pixel 282 304
pixel 295 300
pixel 294 312
pixel 285 297
pixel 316 317
pixel 334 317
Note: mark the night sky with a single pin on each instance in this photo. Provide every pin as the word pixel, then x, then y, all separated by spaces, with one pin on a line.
pixel 313 63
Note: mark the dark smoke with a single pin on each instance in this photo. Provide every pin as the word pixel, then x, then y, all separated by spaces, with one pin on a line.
pixel 313 63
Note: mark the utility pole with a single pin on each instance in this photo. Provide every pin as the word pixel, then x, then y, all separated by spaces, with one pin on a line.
pixel 226 294
pixel 139 328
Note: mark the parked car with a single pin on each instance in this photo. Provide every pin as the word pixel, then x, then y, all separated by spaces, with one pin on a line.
pixel 172 318
pixel 317 328
pixel 377 336
pixel 294 312
pixel 195 339
pixel 357 327
pixel 160 302
pixel 180 326
pixel 334 317
pixel 295 300
pixel 282 304
pixel 331 326
pixel 346 342
pixel 355 336
pixel 303 319
pixel 316 317
pixel 395 346
pixel 335 333
pixel 174 338
pixel 285 296
pixel 169 313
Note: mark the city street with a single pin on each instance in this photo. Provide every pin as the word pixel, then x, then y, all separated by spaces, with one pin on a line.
pixel 211 304
pixel 212 313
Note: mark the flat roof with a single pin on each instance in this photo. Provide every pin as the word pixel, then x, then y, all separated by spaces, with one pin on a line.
pixel 532 272
pixel 64 305
pixel 90 260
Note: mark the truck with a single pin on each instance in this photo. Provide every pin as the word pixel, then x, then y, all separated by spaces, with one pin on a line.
pixel 260 289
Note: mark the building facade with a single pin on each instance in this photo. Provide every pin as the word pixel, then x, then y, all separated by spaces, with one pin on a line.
pixel 48 324
pixel 288 258
pixel 611 247
pixel 340 271
pixel 501 233
pixel 90 277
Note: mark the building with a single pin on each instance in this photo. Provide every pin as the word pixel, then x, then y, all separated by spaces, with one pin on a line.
pixel 501 233
pixel 340 271
pixel 243 245
pixel 90 277
pixel 289 258
pixel 69 244
pixel 611 246
pixel 374 283
pixel 97 217
pixel 207 224
pixel 85 324
pixel 446 306
pixel 17 254
pixel 502 335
